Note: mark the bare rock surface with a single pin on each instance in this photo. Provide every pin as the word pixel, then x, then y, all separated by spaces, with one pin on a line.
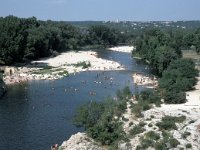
pixel 80 141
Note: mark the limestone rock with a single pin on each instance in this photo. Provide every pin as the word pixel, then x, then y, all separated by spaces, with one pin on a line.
pixel 80 141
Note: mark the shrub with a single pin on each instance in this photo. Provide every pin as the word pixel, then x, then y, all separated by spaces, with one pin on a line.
pixel 188 145
pixel 160 146
pixel 136 130
pixel 137 110
pixel 152 116
pixel 150 125
pixel 192 121
pixel 152 135
pixel 83 64
pixel 98 120
pixel 145 143
pixel 151 97
pixel 173 142
pixel 130 124
pixel 186 134
pixel 142 124
pixel 180 119
pixel 139 107
pixel 179 77
pixel 168 122
pixel 106 131
pixel 174 97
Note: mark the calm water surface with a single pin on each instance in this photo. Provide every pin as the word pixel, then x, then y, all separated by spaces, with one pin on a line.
pixel 35 115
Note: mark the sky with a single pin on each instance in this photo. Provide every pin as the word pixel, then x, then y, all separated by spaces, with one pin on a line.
pixel 103 10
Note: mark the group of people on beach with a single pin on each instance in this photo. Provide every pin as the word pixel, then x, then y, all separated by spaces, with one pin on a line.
pixel 140 79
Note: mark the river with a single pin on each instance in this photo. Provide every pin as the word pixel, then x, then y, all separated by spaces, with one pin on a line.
pixel 37 114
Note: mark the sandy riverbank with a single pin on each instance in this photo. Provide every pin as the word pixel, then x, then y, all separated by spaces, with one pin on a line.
pixel 63 64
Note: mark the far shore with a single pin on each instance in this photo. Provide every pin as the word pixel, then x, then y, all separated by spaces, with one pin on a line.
pixel 62 65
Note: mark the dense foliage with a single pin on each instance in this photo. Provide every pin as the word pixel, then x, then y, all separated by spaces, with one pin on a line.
pixel 145 100
pixel 27 39
pixel 159 48
pixel 98 118
pixel 162 49
pixel 178 78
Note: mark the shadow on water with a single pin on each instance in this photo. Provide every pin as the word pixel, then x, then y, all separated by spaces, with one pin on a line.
pixel 37 114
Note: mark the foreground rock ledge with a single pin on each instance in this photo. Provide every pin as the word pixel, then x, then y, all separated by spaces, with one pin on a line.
pixel 80 141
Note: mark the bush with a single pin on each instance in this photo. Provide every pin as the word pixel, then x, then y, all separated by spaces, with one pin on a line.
pixel 160 146
pixel 137 110
pixel 168 122
pixel 139 107
pixel 174 142
pixel 106 131
pixel 152 135
pixel 98 120
pixel 150 96
pixel 173 97
pixel 167 125
pixel 142 124
pixel 192 121
pixel 179 77
pixel 188 145
pixel 145 99
pixel 186 134
pixel 136 130
pixel 130 124
pixel 83 64
pixel 150 125
pixel 145 143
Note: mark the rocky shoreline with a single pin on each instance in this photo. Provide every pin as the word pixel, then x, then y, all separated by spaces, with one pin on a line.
pixel 187 132
pixel 62 65
pixel 80 141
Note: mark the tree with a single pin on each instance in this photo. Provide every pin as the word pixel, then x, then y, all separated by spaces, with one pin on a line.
pixel 179 77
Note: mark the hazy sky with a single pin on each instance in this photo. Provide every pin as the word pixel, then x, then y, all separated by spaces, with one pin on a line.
pixel 133 10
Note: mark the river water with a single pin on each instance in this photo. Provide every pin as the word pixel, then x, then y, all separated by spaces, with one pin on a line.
pixel 37 114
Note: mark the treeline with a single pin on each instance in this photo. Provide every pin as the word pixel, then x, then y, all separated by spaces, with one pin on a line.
pixel 162 49
pixel 27 39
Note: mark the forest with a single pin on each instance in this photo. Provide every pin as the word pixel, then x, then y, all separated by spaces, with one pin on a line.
pixel 162 49
pixel 23 39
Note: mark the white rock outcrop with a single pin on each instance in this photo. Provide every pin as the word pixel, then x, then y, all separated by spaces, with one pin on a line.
pixel 80 141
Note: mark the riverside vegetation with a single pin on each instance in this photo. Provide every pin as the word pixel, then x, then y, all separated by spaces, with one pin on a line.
pixel 27 39
pixel 22 40
pixel 104 121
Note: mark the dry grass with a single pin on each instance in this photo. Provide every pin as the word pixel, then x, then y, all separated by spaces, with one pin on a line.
pixel 192 55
